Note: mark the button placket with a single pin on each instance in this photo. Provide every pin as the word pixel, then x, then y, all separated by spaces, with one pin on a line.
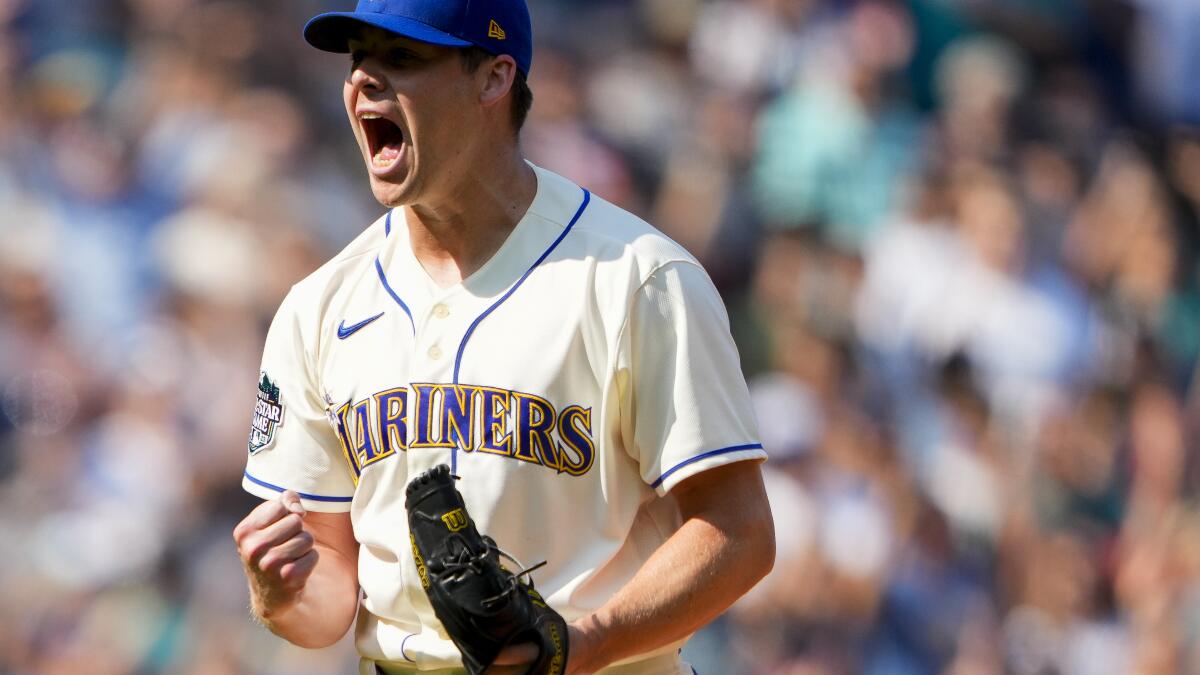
pixel 439 310
pixel 434 334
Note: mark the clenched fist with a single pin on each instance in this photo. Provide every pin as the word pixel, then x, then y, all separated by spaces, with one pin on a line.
pixel 277 552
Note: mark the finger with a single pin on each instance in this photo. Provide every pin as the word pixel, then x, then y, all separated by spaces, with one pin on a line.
pixel 291 501
pixel 263 515
pixel 288 551
pixel 515 655
pixel 255 545
pixel 296 572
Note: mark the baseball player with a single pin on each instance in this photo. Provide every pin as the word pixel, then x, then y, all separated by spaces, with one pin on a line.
pixel 571 365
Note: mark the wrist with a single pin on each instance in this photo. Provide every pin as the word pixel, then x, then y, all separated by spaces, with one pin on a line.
pixel 586 650
pixel 268 607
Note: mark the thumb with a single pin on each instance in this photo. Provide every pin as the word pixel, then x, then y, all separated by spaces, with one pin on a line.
pixel 291 502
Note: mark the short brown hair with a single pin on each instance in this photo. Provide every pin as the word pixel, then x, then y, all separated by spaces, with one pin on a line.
pixel 522 97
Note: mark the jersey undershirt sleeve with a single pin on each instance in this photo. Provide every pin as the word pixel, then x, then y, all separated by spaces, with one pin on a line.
pixel 292 443
pixel 684 402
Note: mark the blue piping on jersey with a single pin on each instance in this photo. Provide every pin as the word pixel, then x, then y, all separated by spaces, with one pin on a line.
pixel 704 455
pixel 462 346
pixel 404 653
pixel 388 287
pixel 305 495
pixel 387 223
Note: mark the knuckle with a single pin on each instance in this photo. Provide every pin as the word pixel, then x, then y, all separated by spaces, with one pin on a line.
pixel 287 574
pixel 243 530
pixel 254 548
pixel 293 575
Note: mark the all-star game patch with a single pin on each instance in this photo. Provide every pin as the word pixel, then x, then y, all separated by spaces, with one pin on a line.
pixel 268 414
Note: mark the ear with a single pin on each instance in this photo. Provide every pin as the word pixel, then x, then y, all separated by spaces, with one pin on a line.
pixel 498 77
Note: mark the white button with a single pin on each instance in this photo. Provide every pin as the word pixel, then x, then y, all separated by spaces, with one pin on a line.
pixel 435 352
pixel 441 311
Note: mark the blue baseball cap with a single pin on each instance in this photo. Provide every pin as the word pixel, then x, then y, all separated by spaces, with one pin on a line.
pixel 497 26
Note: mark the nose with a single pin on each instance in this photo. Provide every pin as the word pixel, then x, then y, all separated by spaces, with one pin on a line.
pixel 363 77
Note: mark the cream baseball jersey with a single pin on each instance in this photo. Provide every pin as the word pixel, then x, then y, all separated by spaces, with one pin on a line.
pixel 570 382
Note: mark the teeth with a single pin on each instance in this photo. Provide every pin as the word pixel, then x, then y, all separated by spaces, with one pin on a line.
pixel 385 157
pixel 370 116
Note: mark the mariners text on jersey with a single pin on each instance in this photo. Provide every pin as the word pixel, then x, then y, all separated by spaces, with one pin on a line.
pixel 471 418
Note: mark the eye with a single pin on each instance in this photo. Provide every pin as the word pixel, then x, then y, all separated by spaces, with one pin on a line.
pixel 356 57
pixel 400 57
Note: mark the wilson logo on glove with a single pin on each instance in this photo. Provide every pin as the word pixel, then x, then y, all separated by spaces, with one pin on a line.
pixel 560 652
pixel 455 520
pixel 421 571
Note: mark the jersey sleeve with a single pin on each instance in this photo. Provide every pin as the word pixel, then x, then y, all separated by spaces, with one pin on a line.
pixel 685 406
pixel 292 443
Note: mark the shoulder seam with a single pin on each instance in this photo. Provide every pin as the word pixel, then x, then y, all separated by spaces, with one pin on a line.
pixel 331 266
pixel 678 253
pixel 629 302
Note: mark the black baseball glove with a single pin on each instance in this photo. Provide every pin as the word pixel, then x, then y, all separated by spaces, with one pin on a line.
pixel 483 606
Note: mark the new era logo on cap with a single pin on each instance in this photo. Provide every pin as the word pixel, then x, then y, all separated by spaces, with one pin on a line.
pixel 495 31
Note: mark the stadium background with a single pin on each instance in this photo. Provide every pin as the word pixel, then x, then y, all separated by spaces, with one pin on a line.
pixel 957 238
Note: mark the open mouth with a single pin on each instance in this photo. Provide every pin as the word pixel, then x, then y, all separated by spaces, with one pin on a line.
pixel 384 139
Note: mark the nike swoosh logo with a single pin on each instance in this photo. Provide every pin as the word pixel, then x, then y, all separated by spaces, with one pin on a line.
pixel 345 331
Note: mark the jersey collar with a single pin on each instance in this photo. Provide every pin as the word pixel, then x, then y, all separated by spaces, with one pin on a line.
pixel 552 208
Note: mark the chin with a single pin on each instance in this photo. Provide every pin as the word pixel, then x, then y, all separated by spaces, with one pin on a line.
pixel 389 194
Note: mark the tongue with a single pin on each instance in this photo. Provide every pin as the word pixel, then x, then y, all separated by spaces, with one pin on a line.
pixel 387 153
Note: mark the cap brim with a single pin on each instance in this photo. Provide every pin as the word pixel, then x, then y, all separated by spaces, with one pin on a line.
pixel 332 31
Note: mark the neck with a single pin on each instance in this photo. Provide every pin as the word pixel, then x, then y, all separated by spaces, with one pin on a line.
pixel 454 236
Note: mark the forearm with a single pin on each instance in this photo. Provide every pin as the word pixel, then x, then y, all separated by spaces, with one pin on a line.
pixel 705 566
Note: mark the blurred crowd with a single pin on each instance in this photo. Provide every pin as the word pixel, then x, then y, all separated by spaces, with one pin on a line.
pixel 959 241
